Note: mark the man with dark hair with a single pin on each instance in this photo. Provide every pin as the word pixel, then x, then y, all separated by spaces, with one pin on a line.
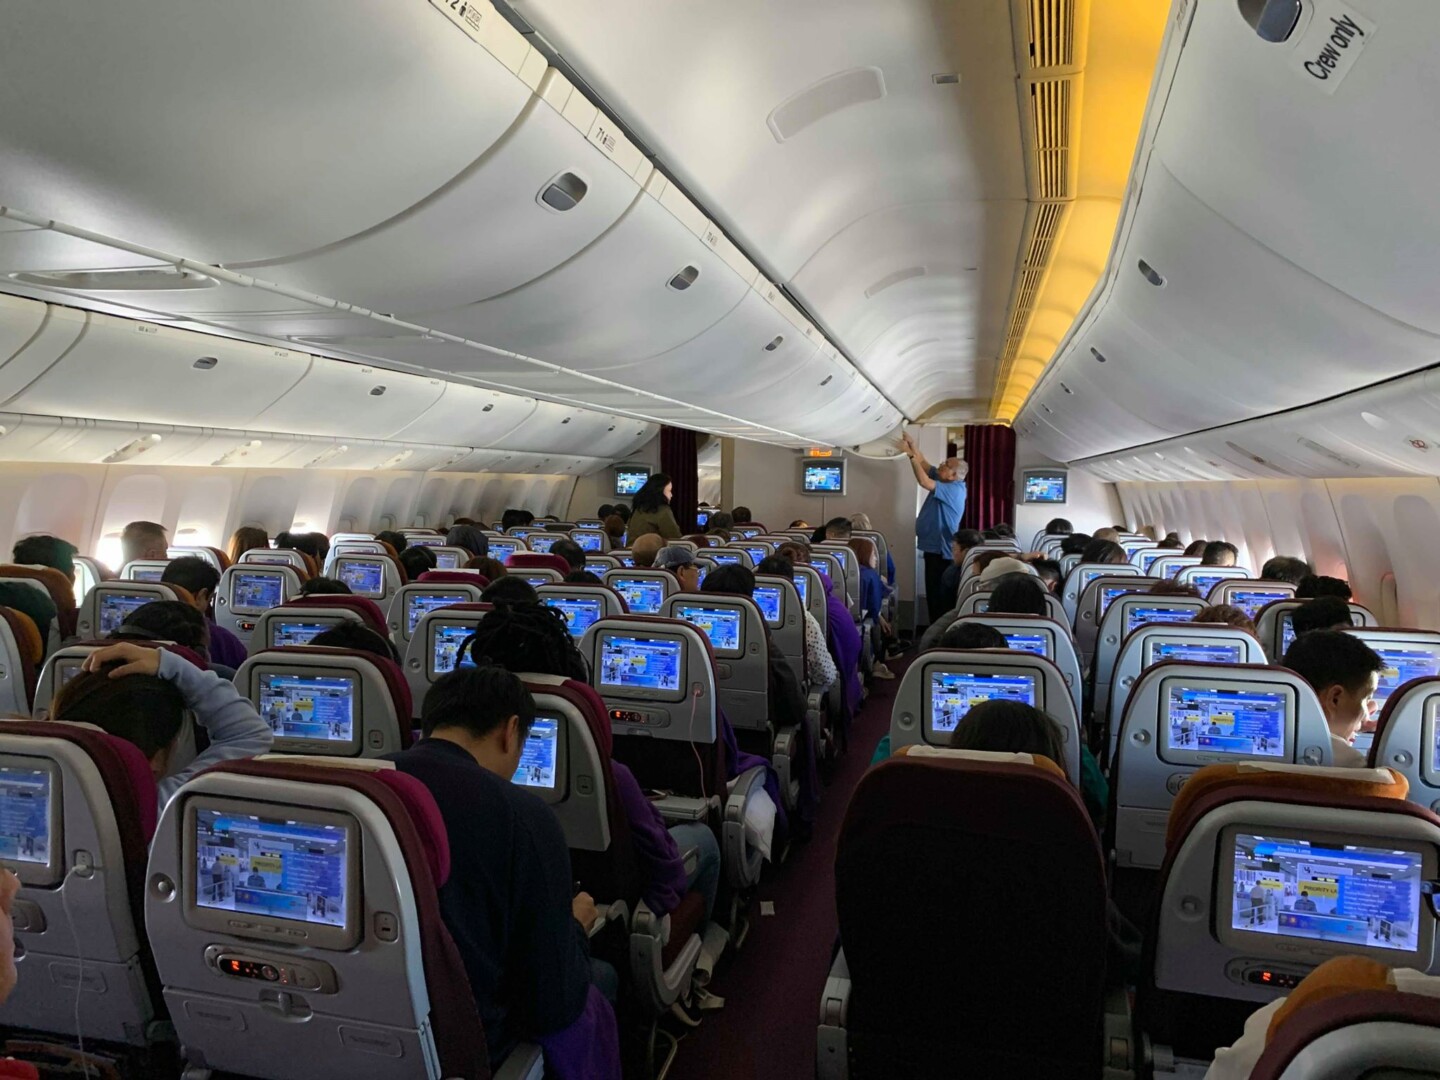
pixel 605 511
pixel 571 552
pixel 510 589
pixel 741 514
pixel 200 579
pixel 48 551
pixel 1059 527
pixel 508 903
pixel 839 528
pixel 143 540
pixel 1219 553
pixel 1315 585
pixel 396 540
pixel 960 545
pixel 356 636
pixel 1345 673
pixel 1075 543
pixel 417 560
pixel 1285 568
pixel 1322 613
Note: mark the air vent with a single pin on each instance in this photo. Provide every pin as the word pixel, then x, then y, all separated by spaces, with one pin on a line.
pixel 1272 20
pixel 826 381
pixel 894 279
pixel 1048 218
pixel 566 420
pixel 1097 354
pixel 488 408
pixel 1066 389
pixel 773 345
pixel 205 363
pixel 1150 274
pixel 148 279
pixel 563 193
pixel 684 279
pixel 1052 33
pixel 829 95
pixel 377 391
pixel 1050 110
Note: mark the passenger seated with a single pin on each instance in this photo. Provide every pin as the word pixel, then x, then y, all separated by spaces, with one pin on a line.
pixel 571 552
pixel 742 516
pixel 140 694
pixel 200 580
pixel 325 586
pixel 583 577
pixel 1336 976
pixel 397 540
pixel 1314 585
pixel 143 540
pixel 1104 551
pixel 1171 542
pixel 819 667
pixel 1049 573
pixel 172 620
pixel 622 512
pixel 417 560
pixel 959 634
pixel 872 597
pixel 1059 527
pixel 1075 543
pixel 32 602
pixel 247 538
pixel 1285 568
pixel 999 564
pixel 960 545
pixel 1171 587
pixel 839 529
pixel 1227 614
pixel 48 551
pixel 720 524
pixel 680 562
pixel 491 569
pixel 799 523
pixel 1019 594
pixel 514 518
pixel 1219 553
pixel 351 634
pixel 646 548
pixel 1322 613
pixel 509 590
pixel 508 904
pixel 1196 549
pixel 469 537
pixel 614 526
pixel 1345 673
pixel 1110 534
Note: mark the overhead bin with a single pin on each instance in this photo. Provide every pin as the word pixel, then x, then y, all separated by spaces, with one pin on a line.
pixel 283 96
pixel 352 400
pixel 531 202
pixel 120 369
pixel 468 416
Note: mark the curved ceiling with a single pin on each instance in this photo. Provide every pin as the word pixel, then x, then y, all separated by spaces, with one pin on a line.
pixel 1290 226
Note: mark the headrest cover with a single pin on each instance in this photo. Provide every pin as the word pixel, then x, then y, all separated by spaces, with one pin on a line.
pixel 369 611
pixel 1336 976
pixel 453 577
pixel 142 781
pixel 987 756
pixel 538 560
pixel 1373 783
pixel 426 816
pixel 27 636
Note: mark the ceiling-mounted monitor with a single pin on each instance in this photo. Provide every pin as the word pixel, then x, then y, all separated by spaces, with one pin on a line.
pixel 630 478
pixel 822 477
pixel 1045 485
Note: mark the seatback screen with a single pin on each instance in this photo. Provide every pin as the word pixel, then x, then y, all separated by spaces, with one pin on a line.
pixel 417 604
pixel 955 693
pixel 828 479
pixel 256 592
pixel 589 539
pixel 537 759
pixel 65 670
pixel 1110 593
pixel 320 708
pixel 1251 601
pixel 115 608
pixel 1148 560
pixel 1087 576
pixel 767 599
pixel 364 578
pixel 502 549
pixel 152 574
pixel 629 481
pixel 425 541
pixel 579 612
pixel 757 554
pixel 281 869
pixel 641 665
pixel 1247 723
pixel 702 518
pixel 1325 891
pixel 446 641
pixel 802 586
pixel 543 542
pixel 1287 631
pixel 447 560
pixel 1037 644
pixel 1402 663
pixel 1045 487
pixel 1206 582
pixel 536 580
pixel 25 815
pixel 747 532
pixel 720 625
pixel 1138 616
pixel 643 596
pixel 724 557
pixel 272 558
pixel 1218 652
pixel 295 633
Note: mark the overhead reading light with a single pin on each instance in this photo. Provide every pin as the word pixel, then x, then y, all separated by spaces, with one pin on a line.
pixel 1150 274
pixel 232 456
pixel 1097 354
pixel 396 460
pixel 1272 20
pixel 684 279
pixel 563 193
pixel 144 279
pixel 133 449
pixel 779 340
pixel 205 363
pixel 326 455
pixel 377 391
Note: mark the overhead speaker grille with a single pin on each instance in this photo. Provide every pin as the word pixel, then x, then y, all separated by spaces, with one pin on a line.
pixel 1050 110
pixel 821 99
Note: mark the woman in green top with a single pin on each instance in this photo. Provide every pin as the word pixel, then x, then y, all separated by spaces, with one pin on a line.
pixel 651 511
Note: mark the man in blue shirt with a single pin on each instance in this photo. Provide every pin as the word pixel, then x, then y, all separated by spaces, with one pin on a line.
pixel 939 517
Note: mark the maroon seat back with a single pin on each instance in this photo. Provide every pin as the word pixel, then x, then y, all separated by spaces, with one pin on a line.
pixel 971 897
pixel 452 577
pixel 538 560
pixel 369 611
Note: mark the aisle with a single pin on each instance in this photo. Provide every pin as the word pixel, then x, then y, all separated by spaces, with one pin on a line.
pixel 772 987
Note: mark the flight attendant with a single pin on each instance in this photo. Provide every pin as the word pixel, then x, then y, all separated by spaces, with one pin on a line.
pixel 939 517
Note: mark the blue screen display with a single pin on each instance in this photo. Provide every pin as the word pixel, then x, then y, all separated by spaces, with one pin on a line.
pixel 1038 644
pixel 280 869
pixel 447 642
pixel 417 604
pixel 1207 653
pixel 1137 616
pixel 537 760
pixel 115 608
pixel 589 539
pixel 364 578
pixel 308 707
pixel 295 633
pixel 1206 582
pixel 25 815
pixel 633 663
pixel 1251 601
pixel 823 479
pixel 256 592
pixel 543 542
pixel 502 549
pixel 724 557
pixel 802 586
pixel 643 596
pixel 767 599
pixel 1045 488
pixel 629 481
pixel 1110 593
pixel 579 612
pixel 955 693
pixel 720 625
pixel 1246 722
pixel 447 560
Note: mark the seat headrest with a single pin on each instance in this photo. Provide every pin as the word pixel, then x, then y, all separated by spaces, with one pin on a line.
pixel 538 560
pixel 1336 976
pixel 27 636
pixel 426 816
pixel 585 698
pixel 987 756
pixel 60 588
pixel 1371 783
pixel 142 781
pixel 369 611
pixel 452 577
pixel 123 767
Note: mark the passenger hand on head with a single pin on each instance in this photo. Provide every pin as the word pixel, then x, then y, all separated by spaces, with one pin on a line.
pixel 139 660
pixel 584 910
pixel 9 886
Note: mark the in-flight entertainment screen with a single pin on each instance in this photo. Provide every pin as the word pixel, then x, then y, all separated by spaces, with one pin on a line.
pixel 115 608
pixel 1215 720
pixel 1327 891
pixel 629 481
pixel 720 625
pixel 25 815
pixel 446 641
pixel 537 759
pixel 579 612
pixel 1218 652
pixel 502 549
pixel 1110 593
pixel 295 633
pixel 589 539
pixel 643 596
pixel 1138 616
pixel 648 666
pixel 1038 644
pixel 826 479
pixel 1046 487
pixel 543 542
pixel 417 604
pixel 1402 663
pixel 955 693
pixel 1251 601
pixel 364 578
pixel 316 708
pixel 767 599
pixel 256 592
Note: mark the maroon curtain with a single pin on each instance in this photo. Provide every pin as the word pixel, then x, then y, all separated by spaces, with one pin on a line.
pixel 990 453
pixel 678 461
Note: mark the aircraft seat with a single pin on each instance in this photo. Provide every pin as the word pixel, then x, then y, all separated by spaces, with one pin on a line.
pixel 582 604
pixel 642 588
pixel 1078 579
pixel 1273 627
pixel 298 561
pixel 108 604
pixel 1407 739
pixel 779 604
pixel 377 577
pixel 60 590
pixel 1043 637
pixel 81 864
pixel 657 677
pixel 941 686
pixel 216 557
pixel 1375 1033
pixel 1208 578
pixel 21 653
pixel 598 564
pixel 1094 604
pixel 932 841
pixel 144 569
pixel 581 791
pixel 1250 594
pixel 538 560
pixel 1264 882
pixel 591 539
pixel 434 589
pixel 359 703
pixel 368 611
pixel 978 603
pixel 1154 643
pixel 1167 566
pixel 1124 616
pixel 368 970
pixel 1408 655
pixel 435 646
pixel 1175 723
pixel 247 590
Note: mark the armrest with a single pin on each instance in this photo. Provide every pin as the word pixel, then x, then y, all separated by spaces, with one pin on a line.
pixel 618 911
pixel 651 925
pixel 656 986
pixel 831 1039
pixel 787 745
pixel 525 1062
pixel 742 860
pixel 681 808
pixel 690 856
